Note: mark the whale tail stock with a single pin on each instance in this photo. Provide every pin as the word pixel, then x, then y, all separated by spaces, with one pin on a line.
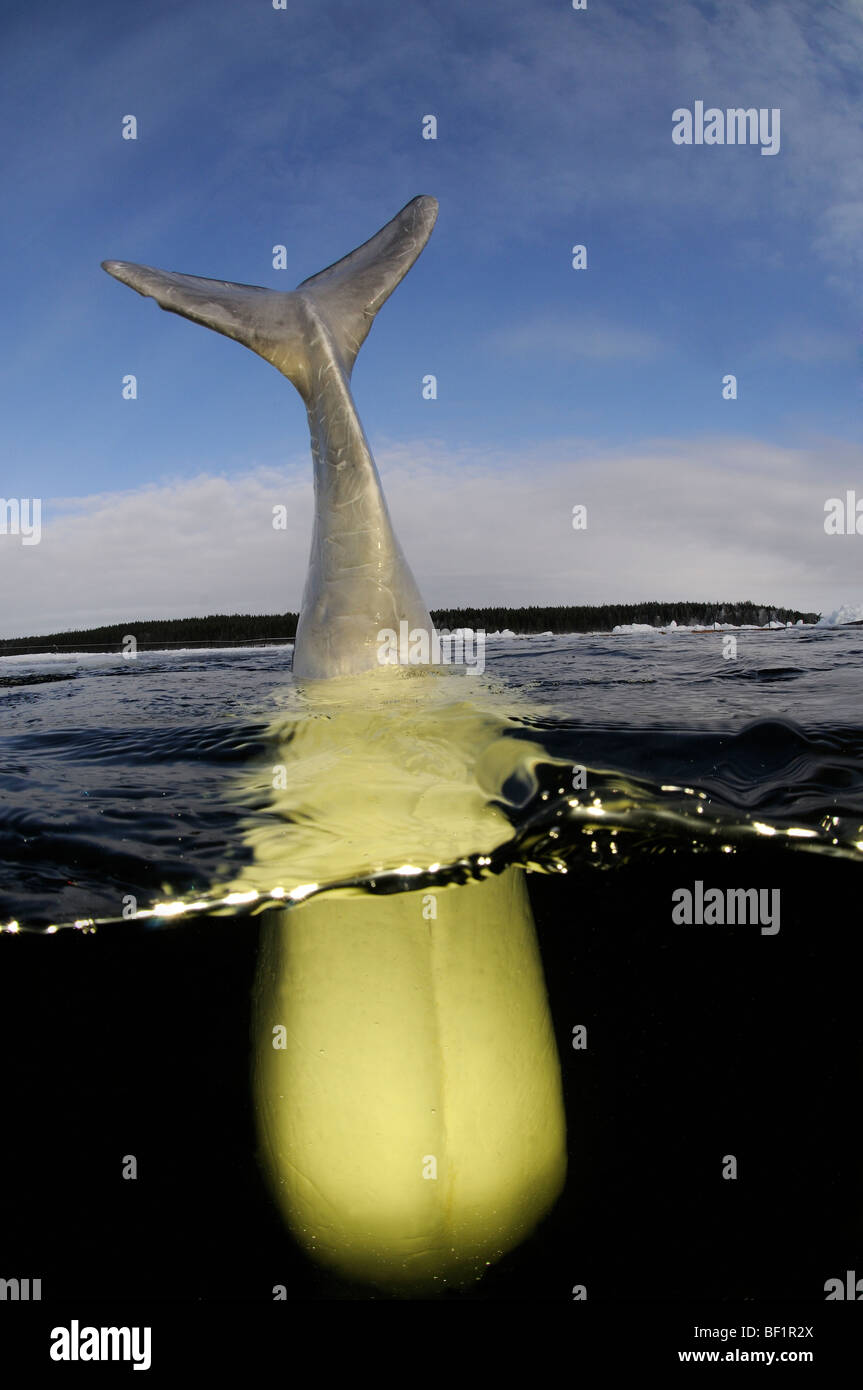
pixel 338 303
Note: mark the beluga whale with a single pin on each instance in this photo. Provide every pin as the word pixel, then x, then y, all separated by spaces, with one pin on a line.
pixel 405 1072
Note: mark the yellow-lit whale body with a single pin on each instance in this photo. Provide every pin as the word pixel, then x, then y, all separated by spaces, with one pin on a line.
pixel 412 1124
pixel 406 1077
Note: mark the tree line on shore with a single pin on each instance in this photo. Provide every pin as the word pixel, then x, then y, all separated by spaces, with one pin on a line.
pixel 226 629
pixel 605 616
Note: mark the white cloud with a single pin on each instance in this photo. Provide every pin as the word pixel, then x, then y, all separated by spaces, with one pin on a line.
pixel 701 519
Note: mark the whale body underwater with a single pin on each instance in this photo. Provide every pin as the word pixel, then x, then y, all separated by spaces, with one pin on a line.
pixel 405 1072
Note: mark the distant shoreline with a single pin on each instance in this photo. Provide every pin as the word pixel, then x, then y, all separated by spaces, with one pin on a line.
pixel 256 630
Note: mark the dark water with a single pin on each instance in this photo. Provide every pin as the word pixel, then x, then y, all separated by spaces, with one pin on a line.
pixel 142 780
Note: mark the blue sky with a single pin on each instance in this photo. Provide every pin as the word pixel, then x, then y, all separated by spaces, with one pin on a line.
pixel 556 386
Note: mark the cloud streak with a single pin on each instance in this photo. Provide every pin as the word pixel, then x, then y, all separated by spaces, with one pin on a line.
pixel 577 338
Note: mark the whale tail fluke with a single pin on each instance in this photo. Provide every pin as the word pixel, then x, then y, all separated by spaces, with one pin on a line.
pixel 350 292
pixel 342 299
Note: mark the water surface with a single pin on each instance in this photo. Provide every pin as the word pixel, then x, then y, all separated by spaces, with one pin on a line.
pixel 153 779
